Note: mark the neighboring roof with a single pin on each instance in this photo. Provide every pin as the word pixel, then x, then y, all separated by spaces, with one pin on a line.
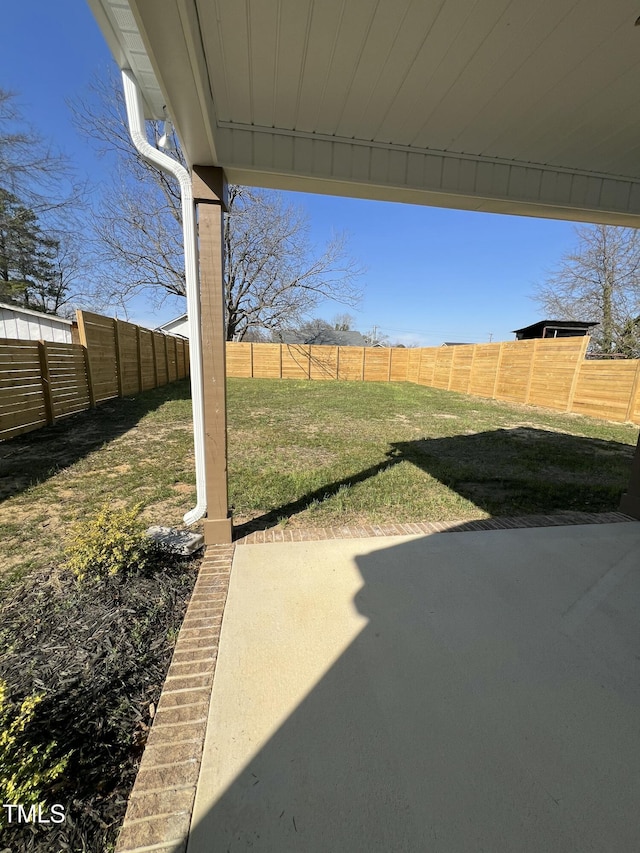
pixel 556 324
pixel 456 344
pixel 170 323
pixel 41 314
pixel 324 337
pixel 450 104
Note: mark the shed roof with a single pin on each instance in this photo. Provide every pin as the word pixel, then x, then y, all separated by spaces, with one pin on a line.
pixel 560 324
pixel 18 309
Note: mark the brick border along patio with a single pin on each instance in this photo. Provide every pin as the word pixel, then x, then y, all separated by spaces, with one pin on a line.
pixel 159 812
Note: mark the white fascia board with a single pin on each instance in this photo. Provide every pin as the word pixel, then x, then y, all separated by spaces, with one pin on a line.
pixel 312 163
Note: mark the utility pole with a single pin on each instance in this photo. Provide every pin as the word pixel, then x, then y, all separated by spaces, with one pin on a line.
pixel 490 336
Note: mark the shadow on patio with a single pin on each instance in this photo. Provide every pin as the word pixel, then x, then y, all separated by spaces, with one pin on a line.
pixel 465 692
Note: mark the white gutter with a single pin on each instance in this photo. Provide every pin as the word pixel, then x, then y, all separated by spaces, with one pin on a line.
pixel 135 115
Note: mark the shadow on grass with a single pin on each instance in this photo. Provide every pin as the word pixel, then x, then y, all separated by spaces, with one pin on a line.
pixel 503 472
pixel 34 457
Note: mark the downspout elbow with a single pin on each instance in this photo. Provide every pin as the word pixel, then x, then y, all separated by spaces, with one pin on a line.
pixel 135 117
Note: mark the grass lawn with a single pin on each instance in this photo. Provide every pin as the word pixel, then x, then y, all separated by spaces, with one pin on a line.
pixel 309 454
pixel 320 454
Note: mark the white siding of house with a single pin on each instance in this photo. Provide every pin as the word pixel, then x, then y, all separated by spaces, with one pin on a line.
pixel 32 326
pixel 179 326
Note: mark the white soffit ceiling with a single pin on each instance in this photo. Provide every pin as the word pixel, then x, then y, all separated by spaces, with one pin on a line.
pixel 507 105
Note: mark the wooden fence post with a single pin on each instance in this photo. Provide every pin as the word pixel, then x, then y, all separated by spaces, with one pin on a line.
pixel 155 359
pixel 498 365
pixel 46 382
pixel 116 332
pixel 452 362
pixel 82 337
pixel 139 356
pixel 166 356
pixel 473 359
pixel 576 372
pixel 527 393
pixel 338 363
pixel 363 355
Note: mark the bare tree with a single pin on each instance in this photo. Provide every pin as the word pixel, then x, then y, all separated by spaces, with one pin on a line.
pixel 343 322
pixel 30 168
pixel 274 276
pixel 599 281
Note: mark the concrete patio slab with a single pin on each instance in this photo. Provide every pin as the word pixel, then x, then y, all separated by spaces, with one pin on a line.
pixel 452 692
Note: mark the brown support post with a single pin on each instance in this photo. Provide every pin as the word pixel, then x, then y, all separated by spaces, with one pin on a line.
pixel 166 357
pixel 630 502
pixel 389 371
pixel 210 194
pixel 46 382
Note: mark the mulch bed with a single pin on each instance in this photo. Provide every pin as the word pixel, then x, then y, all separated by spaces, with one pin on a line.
pixel 99 653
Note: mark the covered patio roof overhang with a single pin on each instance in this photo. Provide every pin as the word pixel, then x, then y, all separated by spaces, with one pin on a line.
pixel 502 106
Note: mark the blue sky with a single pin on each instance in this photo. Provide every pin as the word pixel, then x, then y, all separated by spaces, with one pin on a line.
pixel 432 274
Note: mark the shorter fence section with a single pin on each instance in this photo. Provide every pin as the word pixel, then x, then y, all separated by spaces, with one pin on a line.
pixel 546 372
pixel 42 381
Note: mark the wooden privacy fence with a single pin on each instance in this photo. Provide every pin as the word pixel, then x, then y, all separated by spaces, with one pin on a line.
pixel 544 372
pixel 41 381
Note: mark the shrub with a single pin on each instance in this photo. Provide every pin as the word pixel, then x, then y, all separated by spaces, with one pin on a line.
pixel 26 771
pixel 111 543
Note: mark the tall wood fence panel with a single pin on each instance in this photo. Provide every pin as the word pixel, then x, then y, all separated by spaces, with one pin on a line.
pixel 22 399
pixel 484 369
pixel 42 381
pixel 547 372
pixel 98 335
pixel 66 367
pixel 295 361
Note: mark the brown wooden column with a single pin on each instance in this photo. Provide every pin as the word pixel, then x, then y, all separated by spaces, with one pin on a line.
pixel 630 503
pixel 210 195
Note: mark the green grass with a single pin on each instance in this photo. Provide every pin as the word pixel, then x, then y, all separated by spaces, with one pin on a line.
pixel 316 454
pixel 309 454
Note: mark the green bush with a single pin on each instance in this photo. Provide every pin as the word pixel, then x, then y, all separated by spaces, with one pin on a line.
pixel 111 543
pixel 26 771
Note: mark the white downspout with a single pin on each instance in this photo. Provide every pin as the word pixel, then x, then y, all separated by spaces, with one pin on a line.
pixel 135 115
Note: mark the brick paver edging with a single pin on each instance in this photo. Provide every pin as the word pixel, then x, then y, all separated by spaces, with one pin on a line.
pixel 161 803
pixel 283 534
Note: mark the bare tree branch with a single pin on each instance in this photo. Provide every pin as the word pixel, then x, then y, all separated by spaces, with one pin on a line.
pixel 274 276
pixel 599 281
